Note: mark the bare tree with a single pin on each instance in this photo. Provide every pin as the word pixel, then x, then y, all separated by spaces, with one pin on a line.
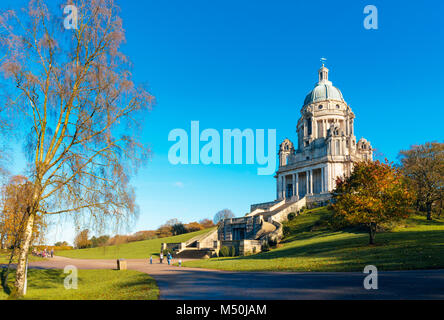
pixel 223 214
pixel 73 89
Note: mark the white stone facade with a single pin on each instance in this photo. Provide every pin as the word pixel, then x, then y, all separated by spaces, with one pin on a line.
pixel 326 145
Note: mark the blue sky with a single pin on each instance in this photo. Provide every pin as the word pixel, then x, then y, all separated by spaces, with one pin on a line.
pixel 249 64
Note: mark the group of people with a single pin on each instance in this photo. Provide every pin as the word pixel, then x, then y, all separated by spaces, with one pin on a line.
pixel 169 258
pixel 45 253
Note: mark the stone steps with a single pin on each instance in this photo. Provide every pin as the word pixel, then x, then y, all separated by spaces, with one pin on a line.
pixel 192 253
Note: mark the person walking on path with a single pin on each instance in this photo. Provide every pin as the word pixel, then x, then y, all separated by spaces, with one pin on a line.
pixel 151 260
pixel 169 258
pixel 161 257
pixel 52 253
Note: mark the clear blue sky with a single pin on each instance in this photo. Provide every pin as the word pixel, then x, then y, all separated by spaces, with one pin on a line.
pixel 249 64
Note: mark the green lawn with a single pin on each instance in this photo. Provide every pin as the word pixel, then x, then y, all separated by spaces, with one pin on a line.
pixel 413 244
pixel 133 250
pixel 4 257
pixel 92 285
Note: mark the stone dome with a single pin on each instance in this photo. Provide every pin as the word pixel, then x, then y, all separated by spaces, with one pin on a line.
pixel 324 90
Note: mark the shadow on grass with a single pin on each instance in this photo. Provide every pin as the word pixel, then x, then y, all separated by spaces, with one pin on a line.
pixel 397 250
pixel 4 283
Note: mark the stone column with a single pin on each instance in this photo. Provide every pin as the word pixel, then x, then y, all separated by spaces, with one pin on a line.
pixel 284 186
pixel 322 180
pixel 329 177
pixel 314 129
pixel 311 181
pixel 297 185
pixel 293 179
pixel 326 178
pixel 278 183
pixel 307 183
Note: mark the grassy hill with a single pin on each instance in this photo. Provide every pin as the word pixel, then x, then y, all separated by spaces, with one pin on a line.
pixel 414 244
pixel 132 250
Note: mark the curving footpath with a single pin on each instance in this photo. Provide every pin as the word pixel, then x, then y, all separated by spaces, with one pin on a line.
pixel 193 283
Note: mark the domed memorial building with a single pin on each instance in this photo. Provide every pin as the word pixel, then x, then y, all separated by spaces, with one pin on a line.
pixel 326 146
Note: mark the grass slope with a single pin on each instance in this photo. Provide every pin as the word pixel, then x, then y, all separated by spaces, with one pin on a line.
pixel 92 285
pixel 133 250
pixel 414 244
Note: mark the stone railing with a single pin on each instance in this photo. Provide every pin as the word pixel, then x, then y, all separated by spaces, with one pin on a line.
pixel 207 241
pixel 276 220
pixel 276 235
pixel 263 206
pixel 295 207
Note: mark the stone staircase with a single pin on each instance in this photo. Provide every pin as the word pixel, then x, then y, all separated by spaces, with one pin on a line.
pixel 193 253
pixel 197 247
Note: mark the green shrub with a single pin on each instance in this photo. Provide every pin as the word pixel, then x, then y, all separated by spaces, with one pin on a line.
pixel 233 252
pixel 224 252
pixel 272 242
pixel 265 247
pixel 286 230
pixel 291 216
pixel 166 251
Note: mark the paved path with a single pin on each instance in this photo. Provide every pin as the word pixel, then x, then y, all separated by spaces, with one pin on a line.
pixel 193 283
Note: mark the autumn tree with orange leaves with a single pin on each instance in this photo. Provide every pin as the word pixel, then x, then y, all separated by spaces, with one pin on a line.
pixel 373 194
pixel 15 197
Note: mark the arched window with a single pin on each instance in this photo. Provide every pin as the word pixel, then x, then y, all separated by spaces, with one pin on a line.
pixel 320 107
pixel 337 106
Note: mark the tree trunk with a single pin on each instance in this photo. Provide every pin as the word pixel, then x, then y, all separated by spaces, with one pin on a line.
pixel 2 242
pixel 23 254
pixel 429 210
pixel 372 232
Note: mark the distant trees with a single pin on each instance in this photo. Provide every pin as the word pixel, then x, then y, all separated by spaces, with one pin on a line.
pixel 193 226
pixel 423 166
pixel 61 244
pixel 99 241
pixel 374 193
pixel 81 241
pixel 206 223
pixel 223 214
pixel 178 228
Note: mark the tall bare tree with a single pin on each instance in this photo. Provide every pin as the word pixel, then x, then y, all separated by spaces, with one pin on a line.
pixel 223 214
pixel 72 96
pixel 423 165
